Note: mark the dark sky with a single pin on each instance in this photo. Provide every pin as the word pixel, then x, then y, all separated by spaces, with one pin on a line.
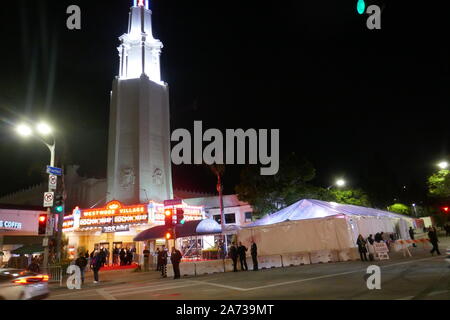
pixel 365 104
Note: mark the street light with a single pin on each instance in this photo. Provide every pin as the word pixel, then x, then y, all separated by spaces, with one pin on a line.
pixel 45 130
pixel 24 130
pixel 443 165
pixel 338 183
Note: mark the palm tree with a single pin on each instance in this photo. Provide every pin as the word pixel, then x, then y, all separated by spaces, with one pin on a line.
pixel 218 170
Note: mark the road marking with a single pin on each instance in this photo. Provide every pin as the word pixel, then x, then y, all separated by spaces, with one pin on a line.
pixel 307 279
pixel 406 298
pixel 434 293
pixel 150 286
pixel 105 295
pixel 154 289
pixel 219 285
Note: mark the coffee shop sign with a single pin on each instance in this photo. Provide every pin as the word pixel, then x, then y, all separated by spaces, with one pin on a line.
pixel 10 225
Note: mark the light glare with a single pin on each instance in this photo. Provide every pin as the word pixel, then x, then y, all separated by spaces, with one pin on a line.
pixel 44 128
pixel 340 183
pixel 24 130
pixel 443 164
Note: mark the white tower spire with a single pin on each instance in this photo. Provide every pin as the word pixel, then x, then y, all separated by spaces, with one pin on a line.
pixel 140 52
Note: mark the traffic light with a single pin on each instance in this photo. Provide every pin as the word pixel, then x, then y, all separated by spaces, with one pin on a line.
pixel 168 218
pixel 180 216
pixel 169 234
pixel 361 6
pixel 42 224
pixel 58 205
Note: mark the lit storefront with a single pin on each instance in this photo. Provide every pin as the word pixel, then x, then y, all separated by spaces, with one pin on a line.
pixel 116 225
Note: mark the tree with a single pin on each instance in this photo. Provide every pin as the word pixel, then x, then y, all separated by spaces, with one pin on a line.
pixel 439 184
pixel 355 197
pixel 400 208
pixel 267 194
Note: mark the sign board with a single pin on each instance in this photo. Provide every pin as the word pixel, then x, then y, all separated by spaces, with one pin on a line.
pixel 45 242
pixel 173 202
pixel 48 199
pixel 10 225
pixel 52 181
pixel 381 250
pixel 54 171
pixel 112 229
pixel 50 226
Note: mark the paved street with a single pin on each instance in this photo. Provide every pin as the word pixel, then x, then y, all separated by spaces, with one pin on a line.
pixel 421 277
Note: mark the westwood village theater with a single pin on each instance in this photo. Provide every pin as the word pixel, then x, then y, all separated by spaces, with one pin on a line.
pixel 116 225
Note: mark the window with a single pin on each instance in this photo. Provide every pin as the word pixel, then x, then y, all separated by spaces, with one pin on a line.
pixel 217 218
pixel 248 217
pixel 230 218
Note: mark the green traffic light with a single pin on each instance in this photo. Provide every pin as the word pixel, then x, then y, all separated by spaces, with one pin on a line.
pixel 361 6
pixel 183 221
pixel 59 209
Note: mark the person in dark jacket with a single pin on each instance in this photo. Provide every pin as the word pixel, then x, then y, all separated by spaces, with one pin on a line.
pixel 411 235
pixel 164 263
pixel 175 257
pixel 34 267
pixel 242 251
pixel 432 235
pixel 234 256
pixel 159 259
pixel 122 256
pixel 81 262
pixel 362 248
pixel 116 253
pixel 378 237
pixel 370 239
pixel 96 264
pixel 254 253
pixel 129 257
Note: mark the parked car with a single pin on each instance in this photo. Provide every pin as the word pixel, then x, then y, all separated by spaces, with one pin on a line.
pixel 19 284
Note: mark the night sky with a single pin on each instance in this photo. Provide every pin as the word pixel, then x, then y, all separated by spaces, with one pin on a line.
pixel 363 104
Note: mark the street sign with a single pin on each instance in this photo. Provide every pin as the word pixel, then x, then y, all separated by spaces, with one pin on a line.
pixel 52 181
pixel 45 242
pixel 48 199
pixel 54 171
pixel 174 202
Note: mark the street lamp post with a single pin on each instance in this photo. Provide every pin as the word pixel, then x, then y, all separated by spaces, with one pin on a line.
pixel 44 129
pixel 339 183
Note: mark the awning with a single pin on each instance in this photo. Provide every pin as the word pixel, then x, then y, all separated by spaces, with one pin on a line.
pixel 30 249
pixel 188 229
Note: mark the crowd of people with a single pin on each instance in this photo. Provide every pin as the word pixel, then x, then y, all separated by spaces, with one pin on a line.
pixel 240 252
pixel 366 245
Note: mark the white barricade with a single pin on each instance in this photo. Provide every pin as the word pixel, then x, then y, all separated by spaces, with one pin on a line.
pixel 229 265
pixel 208 267
pixel 322 256
pixel 186 269
pixel 267 262
pixel 296 259
pixel 349 254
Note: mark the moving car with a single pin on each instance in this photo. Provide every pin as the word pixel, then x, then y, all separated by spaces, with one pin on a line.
pixel 18 284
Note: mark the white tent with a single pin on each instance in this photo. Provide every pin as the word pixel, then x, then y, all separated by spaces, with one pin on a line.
pixel 309 225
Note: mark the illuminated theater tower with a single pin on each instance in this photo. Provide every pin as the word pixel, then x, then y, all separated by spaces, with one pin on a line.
pixel 139 165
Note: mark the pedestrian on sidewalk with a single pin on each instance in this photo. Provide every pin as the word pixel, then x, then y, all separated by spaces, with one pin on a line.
pixel 254 253
pixel 176 257
pixel 432 235
pixel 362 248
pixel 447 230
pixel 122 255
pixel 158 260
pixel 164 263
pixel 129 257
pixel 242 251
pixel 370 240
pixel 146 253
pixel 411 235
pixel 234 256
pixel 96 264
pixel 81 262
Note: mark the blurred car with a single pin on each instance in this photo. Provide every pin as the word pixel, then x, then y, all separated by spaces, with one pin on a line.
pixel 19 284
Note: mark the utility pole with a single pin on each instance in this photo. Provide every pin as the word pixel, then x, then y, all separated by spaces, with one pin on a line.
pixel 61 219
pixel 50 220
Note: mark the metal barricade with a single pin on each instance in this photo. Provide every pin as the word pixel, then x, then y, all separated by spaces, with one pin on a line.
pixel 55 274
